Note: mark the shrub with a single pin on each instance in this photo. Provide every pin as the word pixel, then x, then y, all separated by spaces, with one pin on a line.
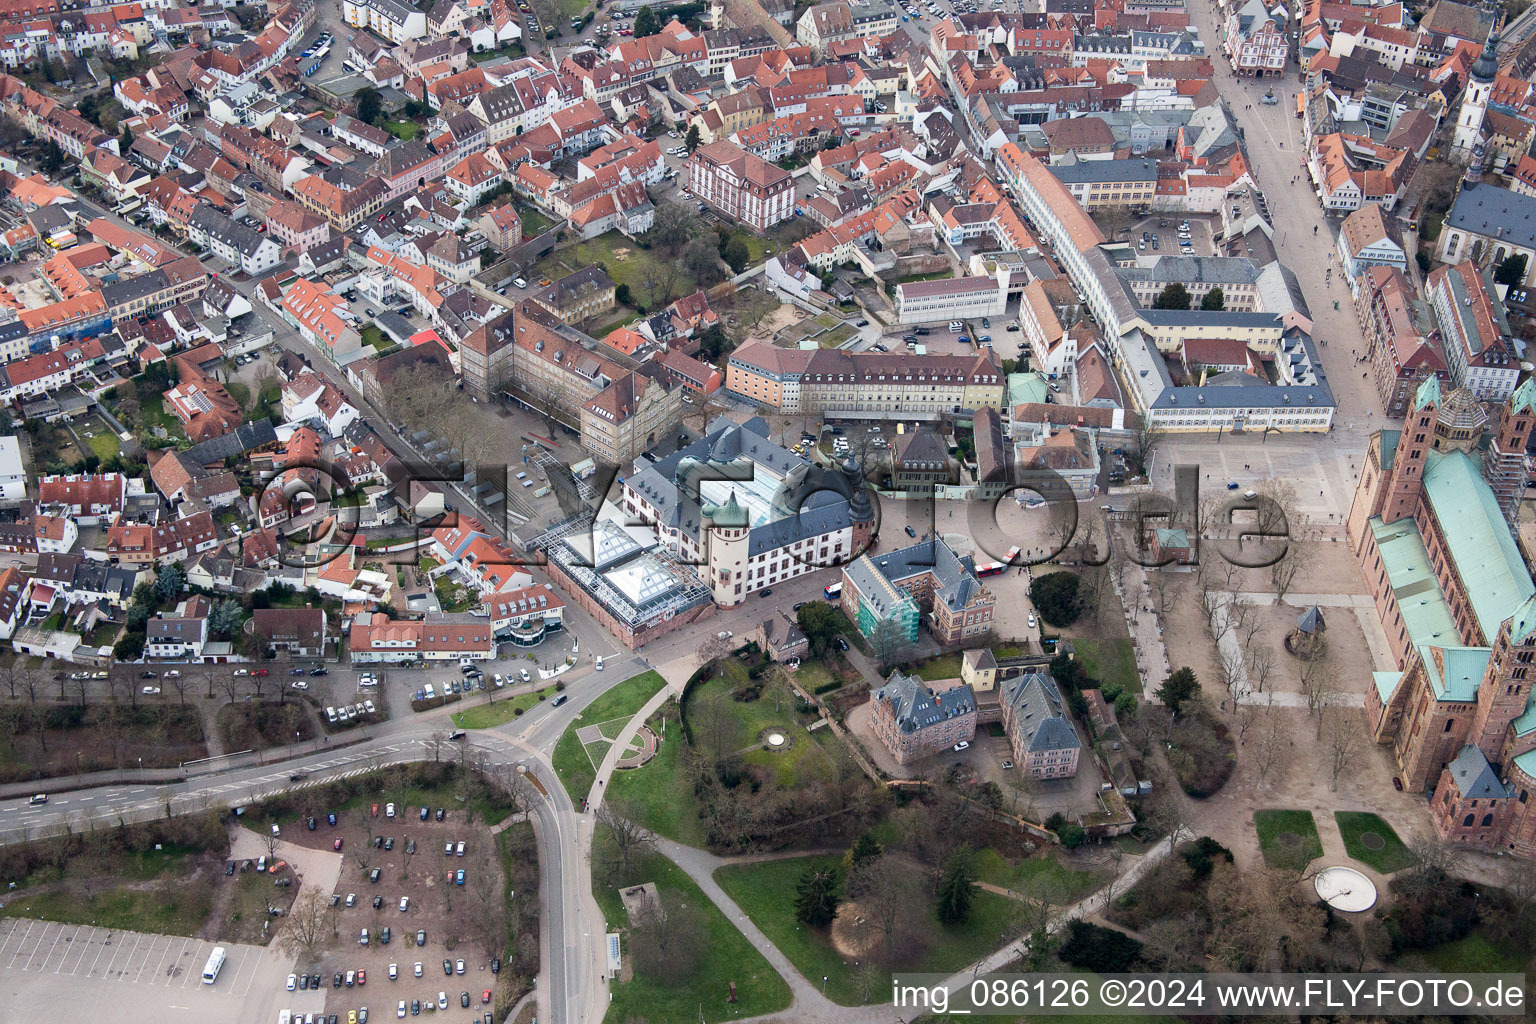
pixel 1098 949
pixel 1072 836
pixel 1201 855
pixel 1055 597
pixel 559 685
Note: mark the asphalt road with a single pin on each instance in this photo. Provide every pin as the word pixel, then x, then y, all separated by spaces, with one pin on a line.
pixel 573 943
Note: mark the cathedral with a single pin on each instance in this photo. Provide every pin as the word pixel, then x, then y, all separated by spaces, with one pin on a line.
pixel 1430 525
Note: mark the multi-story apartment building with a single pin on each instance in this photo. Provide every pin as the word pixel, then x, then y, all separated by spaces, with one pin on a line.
pixel 392 19
pixel 743 187
pixel 630 416
pixel 578 296
pixel 1045 746
pixel 899 586
pixel 872 385
pixel 913 721
pixel 955 298
pixel 245 247
pixel 295 228
pixel 834 22
pixel 1399 334
pixel 1475 336
pixel 554 369
pixel 1101 184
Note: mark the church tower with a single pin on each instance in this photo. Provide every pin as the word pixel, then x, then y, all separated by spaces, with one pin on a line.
pixel 1506 684
pixel 1504 462
pixel 1418 437
pixel 1474 100
pixel 861 510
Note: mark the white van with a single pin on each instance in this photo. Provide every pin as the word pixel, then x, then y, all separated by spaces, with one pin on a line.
pixel 955 326
pixel 429 691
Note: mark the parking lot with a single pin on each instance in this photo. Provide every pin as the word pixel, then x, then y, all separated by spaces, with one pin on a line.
pixel 1165 232
pixel 129 976
pixel 385 859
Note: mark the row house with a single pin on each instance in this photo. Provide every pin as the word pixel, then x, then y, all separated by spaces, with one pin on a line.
pixel 316 313
pixel 156 544
pixel 1399 334
pixel 235 243
pixel 408 167
pixel 437 638
pixel 394 20
pixel 362 136
pixel 48 372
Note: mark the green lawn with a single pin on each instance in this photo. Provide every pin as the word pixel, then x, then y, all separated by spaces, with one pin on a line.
pixel 489 716
pixel 659 792
pixel 171 909
pixel 1393 856
pixel 1110 660
pixel 375 337
pixel 730 958
pixel 945 666
pixel 1475 954
pixel 1060 884
pixel 535 221
pixel 571 762
pixel 634 269
pixel 1271 824
pixel 405 131
pixel 105 444
pixel 765 891
pixel 445 589
pixel 152 413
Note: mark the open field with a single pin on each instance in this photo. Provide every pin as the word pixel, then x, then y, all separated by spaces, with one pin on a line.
pixel 40 741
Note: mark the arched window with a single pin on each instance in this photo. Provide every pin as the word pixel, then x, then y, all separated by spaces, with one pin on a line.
pixel 1448 723
pixel 1468 822
pixel 1487 820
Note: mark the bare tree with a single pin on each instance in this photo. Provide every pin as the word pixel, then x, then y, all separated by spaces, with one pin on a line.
pixel 1261 665
pixel 270 840
pixel 32 682
pixel 308 927
pixel 1434 864
pixel 886 892
pixel 626 837
pixel 11 670
pixel 1234 674
pixel 1341 728
pixel 1270 745
pixel 1284 572
pixel 230 684
pixel 668 938
pixel 1313 675
pixel 179 683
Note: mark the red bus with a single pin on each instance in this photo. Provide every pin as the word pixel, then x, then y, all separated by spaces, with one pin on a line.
pixel 990 569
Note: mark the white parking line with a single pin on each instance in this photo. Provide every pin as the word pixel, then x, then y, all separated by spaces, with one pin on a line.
pixel 106 941
pixel 22 944
pixel 56 939
pixel 165 947
pixel 37 947
pixel 113 968
pixel 9 928
pixel 194 972
pixel 85 945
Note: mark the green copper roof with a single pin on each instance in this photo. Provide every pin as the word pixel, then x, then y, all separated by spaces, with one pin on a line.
pixel 1524 398
pixel 1464 668
pixel 1428 393
pixel 1389 439
pixel 1425 613
pixel 1524 620
pixel 1526 722
pixel 1526 762
pixel 1386 683
pixel 1479 540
